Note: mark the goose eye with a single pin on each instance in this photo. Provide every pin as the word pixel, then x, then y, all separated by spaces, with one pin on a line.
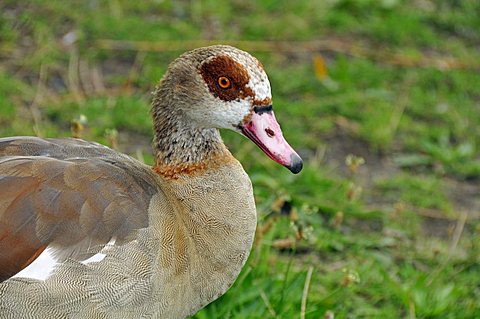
pixel 224 82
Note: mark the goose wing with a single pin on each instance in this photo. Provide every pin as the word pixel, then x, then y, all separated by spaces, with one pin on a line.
pixel 68 195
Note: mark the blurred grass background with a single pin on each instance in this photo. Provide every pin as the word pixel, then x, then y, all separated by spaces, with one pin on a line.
pixel 381 98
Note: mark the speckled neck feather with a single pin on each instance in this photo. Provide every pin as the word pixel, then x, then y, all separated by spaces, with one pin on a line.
pixel 180 147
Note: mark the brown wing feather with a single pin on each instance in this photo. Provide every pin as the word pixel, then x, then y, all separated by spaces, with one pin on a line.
pixel 71 195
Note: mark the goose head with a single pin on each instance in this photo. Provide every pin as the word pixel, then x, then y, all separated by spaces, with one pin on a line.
pixel 222 87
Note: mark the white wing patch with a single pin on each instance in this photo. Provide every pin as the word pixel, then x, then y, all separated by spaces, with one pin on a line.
pixel 100 255
pixel 95 258
pixel 41 268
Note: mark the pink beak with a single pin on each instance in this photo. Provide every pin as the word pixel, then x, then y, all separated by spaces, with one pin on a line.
pixel 263 130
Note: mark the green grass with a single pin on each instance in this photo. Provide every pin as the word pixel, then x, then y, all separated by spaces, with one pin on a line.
pixel 380 242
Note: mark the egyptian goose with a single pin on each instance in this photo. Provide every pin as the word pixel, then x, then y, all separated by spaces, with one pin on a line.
pixel 87 232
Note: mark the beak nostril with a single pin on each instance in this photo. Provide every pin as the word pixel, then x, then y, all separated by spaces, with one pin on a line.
pixel 269 132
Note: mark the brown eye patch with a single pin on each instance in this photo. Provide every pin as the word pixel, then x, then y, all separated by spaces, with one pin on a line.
pixel 226 78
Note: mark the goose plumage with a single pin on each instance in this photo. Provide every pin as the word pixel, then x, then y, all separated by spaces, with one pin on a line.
pixel 88 232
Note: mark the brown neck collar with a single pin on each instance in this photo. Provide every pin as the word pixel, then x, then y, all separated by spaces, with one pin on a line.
pixel 177 170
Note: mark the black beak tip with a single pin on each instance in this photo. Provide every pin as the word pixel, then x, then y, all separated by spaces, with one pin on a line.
pixel 297 164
